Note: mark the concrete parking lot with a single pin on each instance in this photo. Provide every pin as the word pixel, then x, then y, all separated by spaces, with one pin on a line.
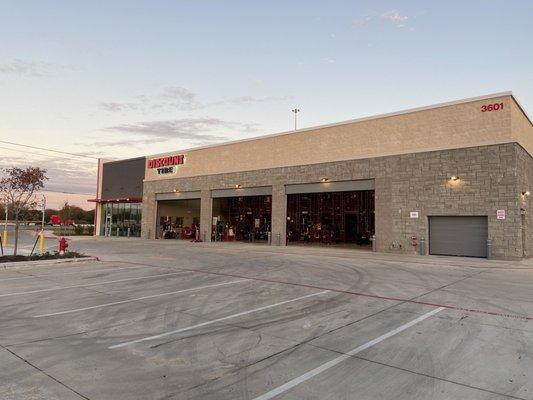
pixel 178 320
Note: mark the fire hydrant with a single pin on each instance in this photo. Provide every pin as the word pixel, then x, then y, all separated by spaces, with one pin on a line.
pixel 63 245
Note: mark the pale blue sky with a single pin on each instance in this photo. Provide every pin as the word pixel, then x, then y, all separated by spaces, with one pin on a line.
pixel 127 78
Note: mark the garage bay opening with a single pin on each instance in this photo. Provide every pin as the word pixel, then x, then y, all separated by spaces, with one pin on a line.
pixel 242 215
pixel 178 219
pixel 329 217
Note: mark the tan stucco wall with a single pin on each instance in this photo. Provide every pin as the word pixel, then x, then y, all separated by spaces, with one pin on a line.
pixel 458 125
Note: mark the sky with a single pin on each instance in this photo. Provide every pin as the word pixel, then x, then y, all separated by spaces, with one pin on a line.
pixel 56 200
pixel 120 79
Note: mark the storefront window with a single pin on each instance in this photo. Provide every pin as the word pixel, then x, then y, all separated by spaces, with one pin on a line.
pixel 121 219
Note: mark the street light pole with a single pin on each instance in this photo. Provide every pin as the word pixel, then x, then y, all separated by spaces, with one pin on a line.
pixel 296 111
pixel 43 209
pixel 4 236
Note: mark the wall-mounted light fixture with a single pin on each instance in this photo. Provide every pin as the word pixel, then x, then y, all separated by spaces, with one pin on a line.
pixel 526 193
pixel 324 179
pixel 454 178
pixel 176 190
pixel 238 186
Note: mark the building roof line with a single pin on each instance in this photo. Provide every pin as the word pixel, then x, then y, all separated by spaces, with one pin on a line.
pixel 346 122
pixel 121 160
pixel 522 109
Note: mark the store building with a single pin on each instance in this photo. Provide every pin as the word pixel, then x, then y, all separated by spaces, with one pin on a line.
pixel 119 197
pixel 449 179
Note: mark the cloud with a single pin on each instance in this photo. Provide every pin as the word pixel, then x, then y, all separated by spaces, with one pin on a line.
pixel 181 98
pixel 179 93
pixel 251 99
pixel 113 107
pixel 31 68
pixel 178 98
pixel 329 60
pixel 170 98
pixel 78 176
pixel 195 130
pixel 395 17
pixel 363 21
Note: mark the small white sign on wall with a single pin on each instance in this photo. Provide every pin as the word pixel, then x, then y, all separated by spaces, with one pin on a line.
pixel 413 214
pixel 500 214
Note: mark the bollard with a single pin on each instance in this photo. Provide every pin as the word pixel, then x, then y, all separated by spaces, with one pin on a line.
pixel 373 240
pixel 278 239
pixel 129 232
pixel 489 249
pixel 5 238
pixel 118 231
pixel 269 238
pixel 422 247
pixel 41 242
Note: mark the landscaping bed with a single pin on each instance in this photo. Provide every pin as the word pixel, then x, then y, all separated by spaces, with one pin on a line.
pixel 44 256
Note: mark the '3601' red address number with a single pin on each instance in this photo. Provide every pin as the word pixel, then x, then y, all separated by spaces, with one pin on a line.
pixel 492 107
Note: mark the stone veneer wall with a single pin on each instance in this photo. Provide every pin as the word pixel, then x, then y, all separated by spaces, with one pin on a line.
pixel 490 179
pixel 525 175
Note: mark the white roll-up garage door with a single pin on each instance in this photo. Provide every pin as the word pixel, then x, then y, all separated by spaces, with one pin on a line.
pixel 458 236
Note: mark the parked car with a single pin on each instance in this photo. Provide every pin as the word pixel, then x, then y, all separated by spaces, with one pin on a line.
pixel 55 220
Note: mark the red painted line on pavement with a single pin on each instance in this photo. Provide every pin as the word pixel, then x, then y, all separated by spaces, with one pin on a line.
pixel 374 296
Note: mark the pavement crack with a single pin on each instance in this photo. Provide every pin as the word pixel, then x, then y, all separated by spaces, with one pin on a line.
pixel 45 373
pixel 510 396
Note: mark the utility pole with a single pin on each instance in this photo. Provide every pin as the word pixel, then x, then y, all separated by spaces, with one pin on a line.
pixel 296 111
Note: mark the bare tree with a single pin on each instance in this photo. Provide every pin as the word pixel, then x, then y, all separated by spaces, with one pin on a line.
pixel 17 189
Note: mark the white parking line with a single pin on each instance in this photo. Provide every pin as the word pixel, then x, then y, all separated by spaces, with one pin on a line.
pixel 165 334
pixel 14 279
pixel 91 284
pixel 84 271
pixel 141 298
pixel 330 364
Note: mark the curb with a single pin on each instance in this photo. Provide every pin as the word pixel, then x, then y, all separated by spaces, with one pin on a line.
pixel 28 264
